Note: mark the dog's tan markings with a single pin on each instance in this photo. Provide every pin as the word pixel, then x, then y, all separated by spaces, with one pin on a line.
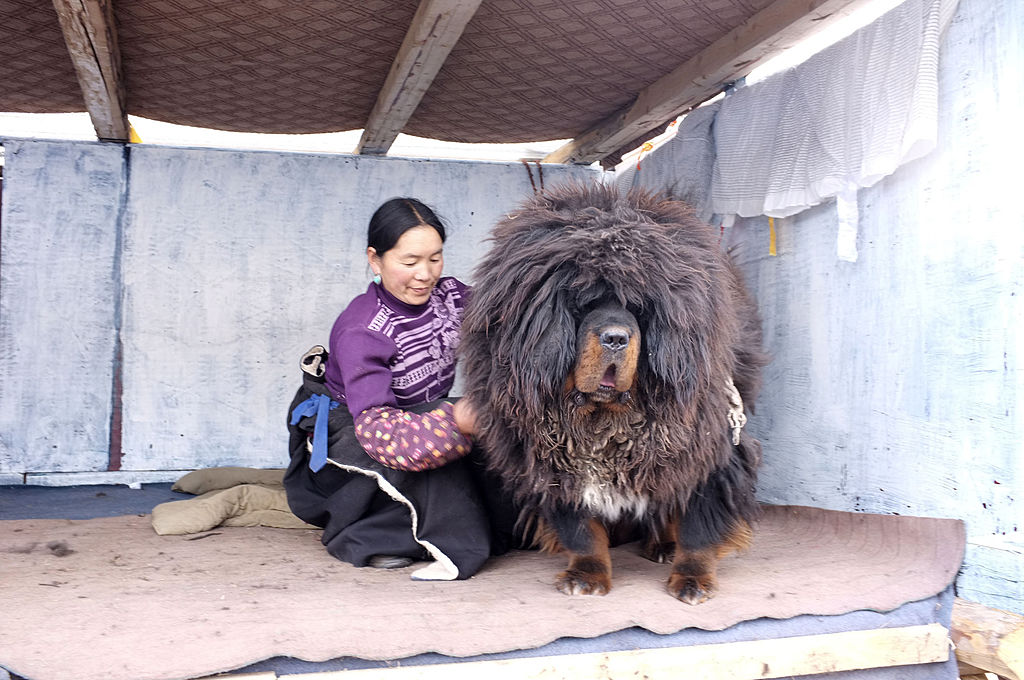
pixel 626 376
pixel 545 538
pixel 590 365
pixel 694 578
pixel 589 574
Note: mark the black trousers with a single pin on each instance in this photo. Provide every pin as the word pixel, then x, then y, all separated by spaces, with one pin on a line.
pixel 368 509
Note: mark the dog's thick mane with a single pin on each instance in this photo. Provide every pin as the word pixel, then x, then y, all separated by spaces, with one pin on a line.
pixel 559 255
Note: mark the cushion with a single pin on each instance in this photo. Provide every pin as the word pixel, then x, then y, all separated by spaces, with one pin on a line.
pixel 211 479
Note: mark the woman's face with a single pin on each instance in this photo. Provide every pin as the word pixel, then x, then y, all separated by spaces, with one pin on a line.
pixel 412 267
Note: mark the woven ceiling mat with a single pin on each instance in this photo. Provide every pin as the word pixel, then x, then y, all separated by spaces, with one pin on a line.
pixel 523 70
pixel 528 70
pixel 36 74
pixel 267 66
pixel 109 599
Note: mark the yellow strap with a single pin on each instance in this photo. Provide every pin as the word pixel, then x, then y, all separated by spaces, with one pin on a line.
pixel 771 237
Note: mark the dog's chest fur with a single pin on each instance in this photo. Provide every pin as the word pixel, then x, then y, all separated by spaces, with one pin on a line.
pixel 595 455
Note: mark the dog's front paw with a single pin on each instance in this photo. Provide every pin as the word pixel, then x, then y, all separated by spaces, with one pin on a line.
pixel 692 588
pixel 578 582
pixel 585 577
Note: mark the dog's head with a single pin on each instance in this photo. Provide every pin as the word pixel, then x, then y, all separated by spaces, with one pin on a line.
pixel 589 296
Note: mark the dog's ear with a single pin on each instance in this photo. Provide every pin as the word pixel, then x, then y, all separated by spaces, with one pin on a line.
pixel 540 348
pixel 518 337
pixel 684 331
pixel 550 330
pixel 672 357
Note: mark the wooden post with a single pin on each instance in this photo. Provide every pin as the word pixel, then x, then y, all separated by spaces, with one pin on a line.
pixel 435 29
pixel 91 37
pixel 988 639
pixel 771 31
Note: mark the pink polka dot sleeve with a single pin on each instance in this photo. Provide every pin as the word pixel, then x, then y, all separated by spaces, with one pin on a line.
pixel 411 441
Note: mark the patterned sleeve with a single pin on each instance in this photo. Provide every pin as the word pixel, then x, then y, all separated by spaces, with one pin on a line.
pixel 411 441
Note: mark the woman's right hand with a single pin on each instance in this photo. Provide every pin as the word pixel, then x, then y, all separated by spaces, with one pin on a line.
pixel 465 417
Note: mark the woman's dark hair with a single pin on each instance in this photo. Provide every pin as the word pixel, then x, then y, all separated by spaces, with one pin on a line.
pixel 397 216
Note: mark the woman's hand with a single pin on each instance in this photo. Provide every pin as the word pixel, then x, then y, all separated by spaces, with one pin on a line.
pixel 465 417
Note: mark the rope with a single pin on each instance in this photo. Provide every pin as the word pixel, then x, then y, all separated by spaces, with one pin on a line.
pixel 737 418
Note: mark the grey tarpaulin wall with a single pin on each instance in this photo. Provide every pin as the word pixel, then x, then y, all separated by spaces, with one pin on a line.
pixel 897 380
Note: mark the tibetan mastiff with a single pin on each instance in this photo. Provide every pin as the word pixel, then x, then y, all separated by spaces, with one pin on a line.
pixel 609 349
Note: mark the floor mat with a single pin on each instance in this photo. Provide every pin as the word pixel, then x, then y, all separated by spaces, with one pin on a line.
pixel 108 598
pixel 27 501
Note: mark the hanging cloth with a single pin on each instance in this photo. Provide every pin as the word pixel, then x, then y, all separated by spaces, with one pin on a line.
pixel 847 117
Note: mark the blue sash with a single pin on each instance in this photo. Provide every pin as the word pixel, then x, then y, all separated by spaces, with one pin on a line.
pixel 318 405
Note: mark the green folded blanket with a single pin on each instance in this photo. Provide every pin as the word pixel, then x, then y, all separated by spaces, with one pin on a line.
pixel 211 479
pixel 228 496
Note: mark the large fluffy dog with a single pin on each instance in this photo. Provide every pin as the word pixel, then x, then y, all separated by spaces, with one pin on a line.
pixel 603 348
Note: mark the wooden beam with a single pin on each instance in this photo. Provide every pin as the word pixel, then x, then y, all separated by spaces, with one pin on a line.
pixel 966 671
pixel 435 29
pixel 771 31
pixel 91 37
pixel 989 639
pixel 784 657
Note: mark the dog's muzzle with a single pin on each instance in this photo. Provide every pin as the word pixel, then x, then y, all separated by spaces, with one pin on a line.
pixel 607 350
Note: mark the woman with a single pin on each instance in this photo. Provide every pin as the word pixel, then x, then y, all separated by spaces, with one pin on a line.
pixel 389 478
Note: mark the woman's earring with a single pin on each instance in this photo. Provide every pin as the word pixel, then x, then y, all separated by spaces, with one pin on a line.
pixel 376 279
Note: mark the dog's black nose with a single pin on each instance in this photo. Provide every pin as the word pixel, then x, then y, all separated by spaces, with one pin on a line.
pixel 615 338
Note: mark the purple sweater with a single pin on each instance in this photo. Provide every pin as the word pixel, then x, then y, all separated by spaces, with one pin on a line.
pixel 385 352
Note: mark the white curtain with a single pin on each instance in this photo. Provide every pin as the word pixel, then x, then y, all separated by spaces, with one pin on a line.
pixel 843 119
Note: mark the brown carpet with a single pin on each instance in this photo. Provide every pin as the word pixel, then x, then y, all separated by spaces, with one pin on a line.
pixel 109 598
